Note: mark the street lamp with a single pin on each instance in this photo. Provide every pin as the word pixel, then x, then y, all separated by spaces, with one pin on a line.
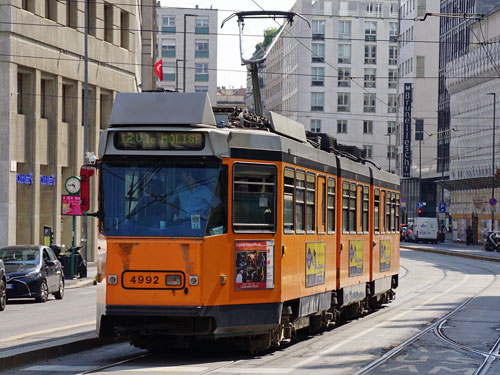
pixel 493 162
pixel 184 63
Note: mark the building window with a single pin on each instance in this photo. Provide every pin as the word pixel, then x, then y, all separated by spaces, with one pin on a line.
pixel 392 105
pixel 391 152
pixel 394 9
pixel 370 31
pixel 168 24
pixel 318 29
pixel 318 76
pixel 43 98
pixel 368 150
pixel 369 103
pixel 370 74
pixel 344 53
pixel 201 48
pixel 318 52
pixel 201 89
pixel 343 102
pixel 393 32
pixel 344 77
pixel 92 17
pixel 393 55
pixel 420 69
pixel 367 127
pixel 124 30
pixel 345 30
pixel 374 9
pixel 71 14
pixel 341 126
pixel 317 101
pixel 201 25
pixel 393 78
pixel 201 72
pixel 51 10
pixel 370 54
pixel 391 127
pixel 168 48
pixel 169 72
pixel 20 93
pixel 108 23
pixel 316 126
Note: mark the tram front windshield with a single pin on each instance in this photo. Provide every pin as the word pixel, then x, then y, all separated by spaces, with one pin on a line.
pixel 160 198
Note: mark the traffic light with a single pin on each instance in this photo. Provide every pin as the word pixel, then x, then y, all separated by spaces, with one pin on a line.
pixel 419 212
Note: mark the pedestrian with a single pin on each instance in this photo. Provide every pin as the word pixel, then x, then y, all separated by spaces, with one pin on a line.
pixel 468 234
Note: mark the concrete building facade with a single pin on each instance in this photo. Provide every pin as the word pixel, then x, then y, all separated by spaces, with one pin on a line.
pixel 194 29
pixel 335 74
pixel 41 115
pixel 471 81
pixel 419 52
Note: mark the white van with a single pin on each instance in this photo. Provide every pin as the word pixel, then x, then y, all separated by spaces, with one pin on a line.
pixel 426 229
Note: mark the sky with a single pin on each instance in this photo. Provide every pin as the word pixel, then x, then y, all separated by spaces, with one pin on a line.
pixel 231 73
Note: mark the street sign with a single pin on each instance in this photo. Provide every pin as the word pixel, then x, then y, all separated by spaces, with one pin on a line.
pixel 493 202
pixel 442 207
pixel 403 199
pixel 420 204
pixel 70 205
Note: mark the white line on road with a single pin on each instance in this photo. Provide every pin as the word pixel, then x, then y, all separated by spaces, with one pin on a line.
pixel 50 330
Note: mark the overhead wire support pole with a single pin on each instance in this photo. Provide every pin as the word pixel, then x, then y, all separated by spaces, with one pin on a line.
pixel 184 53
pixel 85 122
pixel 493 163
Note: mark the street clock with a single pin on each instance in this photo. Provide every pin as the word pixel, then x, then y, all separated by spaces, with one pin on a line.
pixel 72 185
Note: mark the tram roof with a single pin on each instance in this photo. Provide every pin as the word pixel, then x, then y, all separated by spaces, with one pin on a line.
pixel 161 108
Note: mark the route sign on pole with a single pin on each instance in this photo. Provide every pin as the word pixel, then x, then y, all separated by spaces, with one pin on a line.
pixel 493 202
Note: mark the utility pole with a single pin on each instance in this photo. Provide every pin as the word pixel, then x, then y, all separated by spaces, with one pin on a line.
pixel 85 119
pixel 184 62
pixel 493 163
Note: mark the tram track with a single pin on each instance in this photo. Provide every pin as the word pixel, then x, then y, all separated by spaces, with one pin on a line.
pixel 437 329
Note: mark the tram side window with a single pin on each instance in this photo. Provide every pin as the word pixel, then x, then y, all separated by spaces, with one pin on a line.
pixel 393 212
pixel 397 211
pixel 345 207
pixel 376 211
pixel 310 202
pixel 352 208
pixel 388 211
pixel 331 205
pixel 288 194
pixel 254 198
pixel 366 198
pixel 299 200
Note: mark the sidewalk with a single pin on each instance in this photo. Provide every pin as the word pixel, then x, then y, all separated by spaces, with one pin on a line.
pixel 84 282
pixel 454 248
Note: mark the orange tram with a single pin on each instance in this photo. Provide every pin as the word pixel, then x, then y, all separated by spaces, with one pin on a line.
pixel 215 224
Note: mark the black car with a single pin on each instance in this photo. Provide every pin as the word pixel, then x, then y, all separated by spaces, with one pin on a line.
pixel 32 271
pixel 3 286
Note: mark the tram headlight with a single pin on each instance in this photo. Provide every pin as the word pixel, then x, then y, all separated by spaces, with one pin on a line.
pixel 193 280
pixel 112 279
pixel 173 280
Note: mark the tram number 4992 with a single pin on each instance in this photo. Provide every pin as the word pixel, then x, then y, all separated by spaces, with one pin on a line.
pixel 144 279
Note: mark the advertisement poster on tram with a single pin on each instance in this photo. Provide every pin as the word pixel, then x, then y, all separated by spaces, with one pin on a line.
pixel 385 255
pixel 355 258
pixel 254 265
pixel 315 263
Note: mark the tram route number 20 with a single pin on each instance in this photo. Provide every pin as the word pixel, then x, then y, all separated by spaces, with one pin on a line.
pixel 152 280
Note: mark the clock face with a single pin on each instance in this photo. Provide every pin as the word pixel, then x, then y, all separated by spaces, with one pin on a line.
pixel 73 185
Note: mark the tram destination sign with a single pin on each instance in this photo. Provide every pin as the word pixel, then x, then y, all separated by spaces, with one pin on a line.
pixel 159 140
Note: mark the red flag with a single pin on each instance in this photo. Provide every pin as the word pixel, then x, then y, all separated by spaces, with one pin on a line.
pixel 159 69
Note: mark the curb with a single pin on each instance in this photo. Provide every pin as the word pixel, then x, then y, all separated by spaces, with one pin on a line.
pixel 20 356
pixel 448 252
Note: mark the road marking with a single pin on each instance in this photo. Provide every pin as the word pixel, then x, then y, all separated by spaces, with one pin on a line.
pixel 57 368
pixel 51 330
pixel 175 369
pixel 342 343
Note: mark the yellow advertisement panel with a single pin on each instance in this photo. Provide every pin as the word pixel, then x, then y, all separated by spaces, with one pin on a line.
pixel 355 258
pixel 385 255
pixel 315 263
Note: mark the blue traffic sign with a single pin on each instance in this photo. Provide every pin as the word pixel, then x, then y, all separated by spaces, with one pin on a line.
pixel 420 204
pixel 493 202
pixel 442 208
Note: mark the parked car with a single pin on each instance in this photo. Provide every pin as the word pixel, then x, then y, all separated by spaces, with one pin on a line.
pixel 32 271
pixel 3 286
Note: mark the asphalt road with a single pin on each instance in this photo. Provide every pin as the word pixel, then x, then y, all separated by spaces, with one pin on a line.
pixel 445 320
